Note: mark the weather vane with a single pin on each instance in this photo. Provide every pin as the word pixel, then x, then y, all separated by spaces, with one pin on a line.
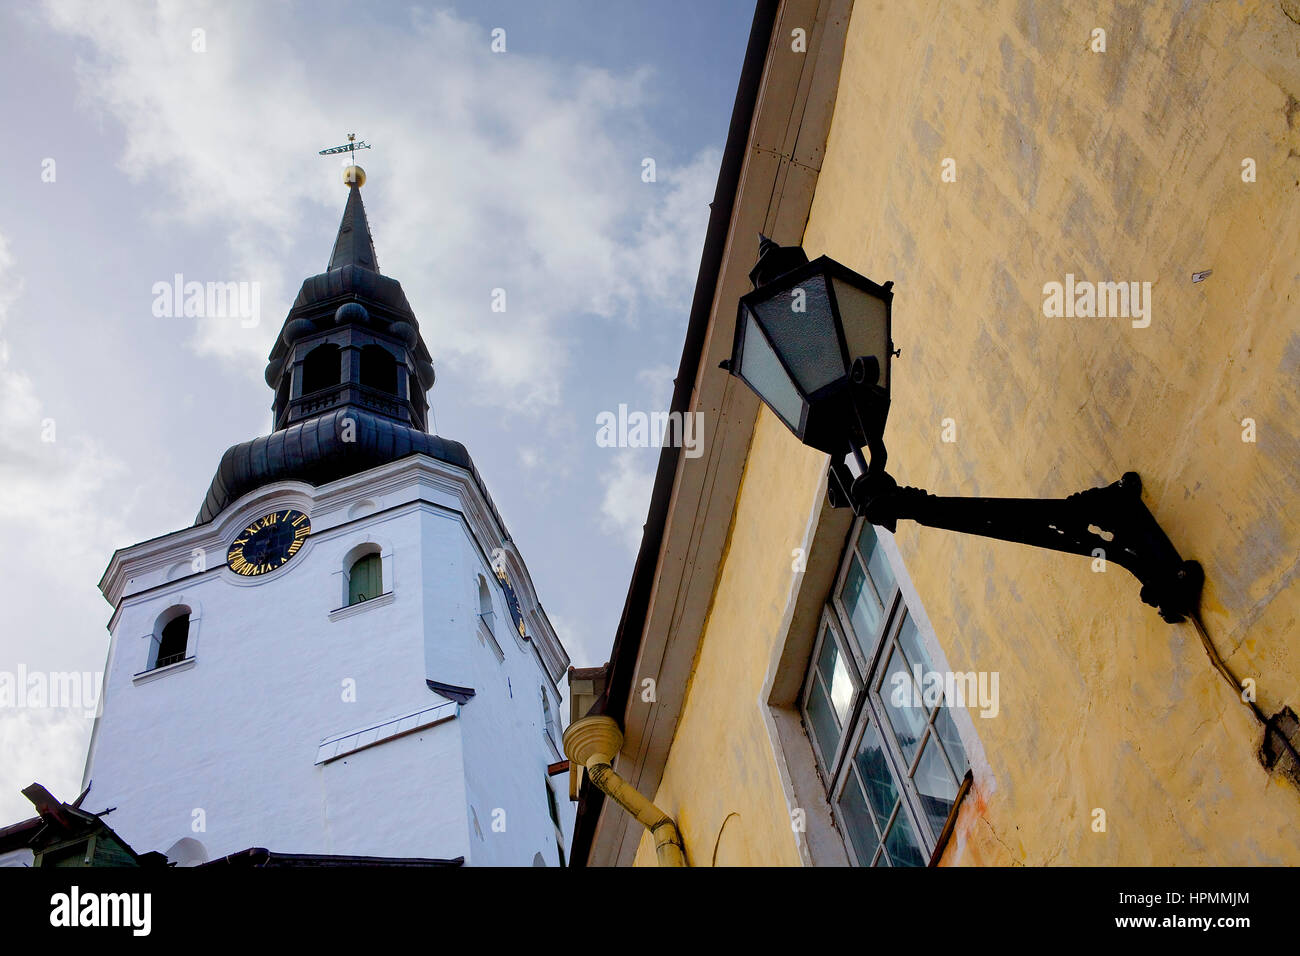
pixel 354 174
pixel 351 146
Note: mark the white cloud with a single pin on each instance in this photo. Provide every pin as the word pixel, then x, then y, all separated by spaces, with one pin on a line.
pixel 49 480
pixel 11 285
pixel 658 382
pixel 670 239
pixel 629 480
pixel 496 171
pixel 626 501
pixel 57 531
pixel 40 746
pixel 575 641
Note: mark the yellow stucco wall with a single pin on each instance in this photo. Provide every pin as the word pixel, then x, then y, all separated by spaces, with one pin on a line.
pixel 720 782
pixel 1124 166
pixel 1115 166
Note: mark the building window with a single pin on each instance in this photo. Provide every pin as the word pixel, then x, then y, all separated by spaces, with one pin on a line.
pixel 886 745
pixel 378 369
pixel 173 640
pixel 321 369
pixel 548 720
pixel 485 604
pixel 551 805
pixel 365 579
pixel 485 635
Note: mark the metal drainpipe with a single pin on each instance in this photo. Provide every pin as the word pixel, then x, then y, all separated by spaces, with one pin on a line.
pixel 592 742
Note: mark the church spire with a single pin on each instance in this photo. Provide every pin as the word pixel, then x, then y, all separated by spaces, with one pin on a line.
pixel 350 373
pixel 354 245
pixel 350 337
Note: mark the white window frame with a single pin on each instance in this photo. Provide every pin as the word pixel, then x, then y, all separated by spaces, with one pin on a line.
pixel 869 703
pixel 829 624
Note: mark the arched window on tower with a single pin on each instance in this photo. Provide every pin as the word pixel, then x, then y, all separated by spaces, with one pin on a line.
pixel 485 604
pixel 365 578
pixel 173 640
pixel 321 369
pixel 549 725
pixel 378 369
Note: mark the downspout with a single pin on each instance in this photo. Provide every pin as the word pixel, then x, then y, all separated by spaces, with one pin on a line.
pixel 592 743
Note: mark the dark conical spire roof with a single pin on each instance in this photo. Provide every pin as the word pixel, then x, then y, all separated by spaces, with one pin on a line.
pixel 354 247
pixel 350 372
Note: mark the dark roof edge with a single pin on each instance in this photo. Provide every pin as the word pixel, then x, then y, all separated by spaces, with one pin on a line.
pixel 258 856
pixel 16 836
pixel 455 692
pixel 627 639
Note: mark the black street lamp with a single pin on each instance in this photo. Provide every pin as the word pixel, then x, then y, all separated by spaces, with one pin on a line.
pixel 813 341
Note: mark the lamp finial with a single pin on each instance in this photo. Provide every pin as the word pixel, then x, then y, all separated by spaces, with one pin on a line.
pixel 775 260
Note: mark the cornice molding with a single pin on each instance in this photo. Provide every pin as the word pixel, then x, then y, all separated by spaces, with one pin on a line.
pixel 327 506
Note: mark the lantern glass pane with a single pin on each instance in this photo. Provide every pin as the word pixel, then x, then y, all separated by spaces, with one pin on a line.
pixel 801 326
pixel 760 367
pixel 866 325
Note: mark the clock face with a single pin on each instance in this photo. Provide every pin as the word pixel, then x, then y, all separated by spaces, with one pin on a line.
pixel 268 543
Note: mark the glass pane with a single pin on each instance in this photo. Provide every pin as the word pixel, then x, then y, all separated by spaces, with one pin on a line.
pixel 910 638
pixel 901 843
pixel 835 673
pixel 877 563
pixel 827 655
pixel 806 338
pixel 873 767
pixel 866 326
pixel 865 614
pixel 935 785
pixel 901 698
pixel 853 813
pixel 822 721
pixel 760 368
pixel 951 741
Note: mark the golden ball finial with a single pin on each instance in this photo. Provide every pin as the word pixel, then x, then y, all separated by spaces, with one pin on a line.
pixel 354 176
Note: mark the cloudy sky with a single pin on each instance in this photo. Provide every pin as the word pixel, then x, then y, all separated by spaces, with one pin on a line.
pixel 137 148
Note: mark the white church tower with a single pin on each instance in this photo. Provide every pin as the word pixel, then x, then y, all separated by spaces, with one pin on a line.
pixel 344 657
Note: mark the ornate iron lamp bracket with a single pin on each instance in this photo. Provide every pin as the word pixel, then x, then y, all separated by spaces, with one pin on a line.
pixel 1111 522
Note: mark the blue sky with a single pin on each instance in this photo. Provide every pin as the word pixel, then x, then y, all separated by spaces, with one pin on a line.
pixel 519 170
